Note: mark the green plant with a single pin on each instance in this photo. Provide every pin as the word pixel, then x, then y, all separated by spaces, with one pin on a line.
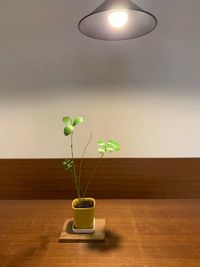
pixel 69 164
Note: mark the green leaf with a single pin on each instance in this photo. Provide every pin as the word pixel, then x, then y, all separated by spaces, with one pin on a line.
pixel 67 168
pixel 68 164
pixel 77 121
pixel 102 147
pixel 67 161
pixel 110 149
pixel 115 145
pixel 101 143
pixel 67 120
pixel 68 130
pixel 101 150
pixel 110 146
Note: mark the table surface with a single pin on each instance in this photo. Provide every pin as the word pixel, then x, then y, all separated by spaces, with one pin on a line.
pixel 139 233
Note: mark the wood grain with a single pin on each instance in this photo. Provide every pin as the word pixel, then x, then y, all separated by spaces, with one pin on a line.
pixel 139 233
pixel 68 236
pixel 116 178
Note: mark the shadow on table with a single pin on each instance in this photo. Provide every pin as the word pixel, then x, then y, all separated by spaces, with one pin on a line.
pixel 26 254
pixel 69 227
pixel 112 242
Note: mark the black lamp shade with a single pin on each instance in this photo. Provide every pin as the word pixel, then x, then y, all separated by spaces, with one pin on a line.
pixel 96 24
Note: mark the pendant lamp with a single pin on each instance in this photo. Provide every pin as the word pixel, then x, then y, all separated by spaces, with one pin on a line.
pixel 116 20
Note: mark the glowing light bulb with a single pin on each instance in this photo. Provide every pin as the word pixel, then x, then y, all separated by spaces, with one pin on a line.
pixel 118 19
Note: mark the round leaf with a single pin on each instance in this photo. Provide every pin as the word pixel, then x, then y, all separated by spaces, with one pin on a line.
pixel 67 120
pixel 101 143
pixel 110 149
pixel 77 121
pixel 68 130
pixel 101 150
pixel 115 145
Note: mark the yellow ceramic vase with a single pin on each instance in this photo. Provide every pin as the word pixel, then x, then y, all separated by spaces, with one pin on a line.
pixel 83 217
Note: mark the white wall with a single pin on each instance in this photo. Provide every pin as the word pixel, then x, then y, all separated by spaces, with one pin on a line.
pixel 145 126
pixel 143 93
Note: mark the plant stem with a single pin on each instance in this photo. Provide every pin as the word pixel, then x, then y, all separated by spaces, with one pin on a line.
pixel 74 168
pixel 81 163
pixel 92 175
pixel 72 174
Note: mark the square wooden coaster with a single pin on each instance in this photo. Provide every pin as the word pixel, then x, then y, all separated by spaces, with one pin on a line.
pixel 68 236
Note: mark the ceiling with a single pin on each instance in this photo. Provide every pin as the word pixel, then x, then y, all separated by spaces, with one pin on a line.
pixel 42 50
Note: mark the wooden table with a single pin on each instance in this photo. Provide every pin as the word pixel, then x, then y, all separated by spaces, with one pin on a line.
pixel 140 233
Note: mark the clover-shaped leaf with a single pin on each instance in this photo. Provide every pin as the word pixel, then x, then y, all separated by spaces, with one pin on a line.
pixel 68 130
pixel 68 164
pixel 114 145
pixel 70 124
pixel 110 146
pixel 77 121
pixel 102 147
pixel 101 143
pixel 67 120
pixel 101 150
